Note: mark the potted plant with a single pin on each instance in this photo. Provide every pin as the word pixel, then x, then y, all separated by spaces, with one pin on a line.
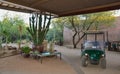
pixel 25 51
pixel 38 28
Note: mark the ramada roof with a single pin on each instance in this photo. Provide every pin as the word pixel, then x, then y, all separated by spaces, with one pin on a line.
pixel 60 7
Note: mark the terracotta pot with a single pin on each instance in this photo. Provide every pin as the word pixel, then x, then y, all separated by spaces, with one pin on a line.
pixel 40 48
pixel 25 55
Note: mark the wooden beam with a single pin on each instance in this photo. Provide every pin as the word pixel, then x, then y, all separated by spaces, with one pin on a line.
pixel 106 7
pixel 38 3
pixel 20 6
pixel 15 9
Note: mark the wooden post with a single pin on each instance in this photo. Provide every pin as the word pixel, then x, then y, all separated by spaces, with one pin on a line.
pixel 107 36
pixel 95 37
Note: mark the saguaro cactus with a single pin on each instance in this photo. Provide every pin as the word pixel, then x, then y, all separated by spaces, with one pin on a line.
pixel 38 27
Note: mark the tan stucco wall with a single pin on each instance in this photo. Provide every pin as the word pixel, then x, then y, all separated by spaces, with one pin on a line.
pixel 113 33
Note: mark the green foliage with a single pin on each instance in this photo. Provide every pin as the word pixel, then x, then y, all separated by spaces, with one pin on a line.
pixel 25 49
pixel 56 32
pixel 80 23
pixel 9 28
pixel 38 27
pixel 50 35
pixel 99 20
pixel 95 21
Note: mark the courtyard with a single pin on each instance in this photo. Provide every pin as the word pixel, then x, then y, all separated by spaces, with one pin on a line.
pixel 70 64
pixel 47 26
pixel 72 56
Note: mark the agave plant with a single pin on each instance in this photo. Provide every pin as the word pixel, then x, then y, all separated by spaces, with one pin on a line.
pixel 38 27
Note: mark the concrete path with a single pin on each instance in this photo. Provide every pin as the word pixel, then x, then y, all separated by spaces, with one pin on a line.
pixel 72 56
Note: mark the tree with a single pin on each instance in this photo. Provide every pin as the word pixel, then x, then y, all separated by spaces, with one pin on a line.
pixel 9 28
pixel 56 32
pixel 85 22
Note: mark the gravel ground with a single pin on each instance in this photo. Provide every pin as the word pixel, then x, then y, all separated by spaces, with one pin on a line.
pixel 19 65
pixel 72 56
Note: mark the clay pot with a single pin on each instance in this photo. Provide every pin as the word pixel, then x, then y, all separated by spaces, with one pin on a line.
pixel 40 48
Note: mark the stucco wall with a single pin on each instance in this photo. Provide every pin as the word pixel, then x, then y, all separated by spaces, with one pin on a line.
pixel 67 36
pixel 113 33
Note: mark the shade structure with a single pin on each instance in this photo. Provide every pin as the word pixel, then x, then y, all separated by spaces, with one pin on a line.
pixel 60 7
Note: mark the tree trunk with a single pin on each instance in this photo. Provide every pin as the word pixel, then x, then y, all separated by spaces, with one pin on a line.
pixel 74 44
pixel 80 39
pixel 6 46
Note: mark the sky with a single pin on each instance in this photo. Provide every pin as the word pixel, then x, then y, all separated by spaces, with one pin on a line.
pixel 25 16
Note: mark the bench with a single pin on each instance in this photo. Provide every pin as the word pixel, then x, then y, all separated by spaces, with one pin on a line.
pixel 40 56
pixel 45 54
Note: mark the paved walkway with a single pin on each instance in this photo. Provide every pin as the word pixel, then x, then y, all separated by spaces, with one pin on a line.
pixel 72 56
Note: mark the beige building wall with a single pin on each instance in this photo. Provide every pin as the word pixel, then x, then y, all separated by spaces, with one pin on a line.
pixel 113 33
pixel 67 36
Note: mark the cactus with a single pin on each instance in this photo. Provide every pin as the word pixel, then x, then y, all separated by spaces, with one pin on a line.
pixel 38 27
